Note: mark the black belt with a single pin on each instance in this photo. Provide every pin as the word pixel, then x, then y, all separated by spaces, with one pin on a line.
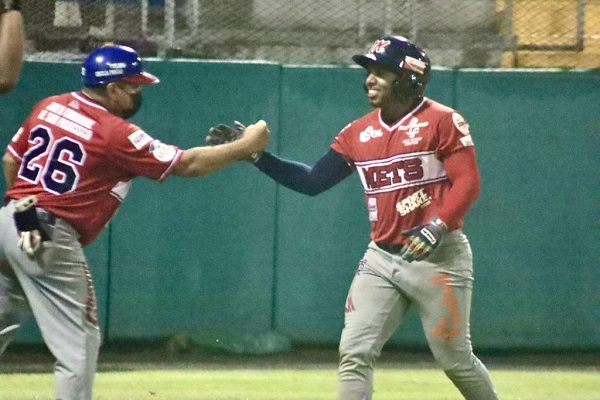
pixel 46 216
pixel 392 249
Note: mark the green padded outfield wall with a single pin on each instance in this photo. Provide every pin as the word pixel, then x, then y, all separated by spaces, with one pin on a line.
pixel 196 255
pixel 233 252
pixel 535 229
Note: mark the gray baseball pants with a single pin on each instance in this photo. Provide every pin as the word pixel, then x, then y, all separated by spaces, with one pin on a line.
pixel 56 286
pixel 439 287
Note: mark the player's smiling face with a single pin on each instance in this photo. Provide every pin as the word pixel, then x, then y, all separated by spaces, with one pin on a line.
pixel 379 86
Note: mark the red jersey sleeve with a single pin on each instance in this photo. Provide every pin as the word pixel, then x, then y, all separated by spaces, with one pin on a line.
pixel 454 134
pixel 340 144
pixel 139 154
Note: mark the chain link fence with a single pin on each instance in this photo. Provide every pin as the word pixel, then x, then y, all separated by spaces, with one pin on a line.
pixel 464 33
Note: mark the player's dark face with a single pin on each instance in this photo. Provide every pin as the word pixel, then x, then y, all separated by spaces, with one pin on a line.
pixel 378 84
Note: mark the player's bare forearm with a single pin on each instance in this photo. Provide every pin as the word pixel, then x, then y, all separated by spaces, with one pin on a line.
pixel 11 168
pixel 462 170
pixel 11 49
pixel 202 161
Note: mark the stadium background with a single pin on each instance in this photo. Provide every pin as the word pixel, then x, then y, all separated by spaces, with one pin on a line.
pixel 234 261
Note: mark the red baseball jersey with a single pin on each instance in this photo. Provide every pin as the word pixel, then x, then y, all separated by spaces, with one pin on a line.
pixel 401 166
pixel 79 160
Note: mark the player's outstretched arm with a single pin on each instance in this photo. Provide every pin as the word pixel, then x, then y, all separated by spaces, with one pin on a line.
pixel 201 161
pixel 328 171
pixel 12 39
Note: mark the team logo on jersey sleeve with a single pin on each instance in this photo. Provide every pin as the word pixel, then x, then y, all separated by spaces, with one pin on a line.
pixel 162 152
pixel 463 128
pixel 460 123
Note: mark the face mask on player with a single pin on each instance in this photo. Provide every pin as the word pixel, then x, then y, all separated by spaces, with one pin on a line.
pixel 136 104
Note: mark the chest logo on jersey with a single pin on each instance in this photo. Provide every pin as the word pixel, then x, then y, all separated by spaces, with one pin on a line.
pixel 412 129
pixel 418 199
pixel 369 133
pixel 400 172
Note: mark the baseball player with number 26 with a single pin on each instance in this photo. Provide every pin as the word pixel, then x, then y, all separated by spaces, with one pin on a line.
pixel 67 169
pixel 416 161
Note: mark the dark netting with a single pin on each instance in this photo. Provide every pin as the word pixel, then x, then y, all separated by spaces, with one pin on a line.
pixel 455 33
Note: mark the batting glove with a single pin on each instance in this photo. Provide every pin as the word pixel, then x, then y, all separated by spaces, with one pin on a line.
pixel 30 231
pixel 221 133
pixel 423 240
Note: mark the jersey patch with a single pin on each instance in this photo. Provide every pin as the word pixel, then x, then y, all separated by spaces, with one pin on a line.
pixel 139 139
pixel 372 204
pixel 162 152
pixel 412 130
pixel 369 133
pixel 418 199
pixel 460 123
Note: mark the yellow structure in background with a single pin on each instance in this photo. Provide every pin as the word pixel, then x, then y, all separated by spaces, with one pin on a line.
pixel 548 33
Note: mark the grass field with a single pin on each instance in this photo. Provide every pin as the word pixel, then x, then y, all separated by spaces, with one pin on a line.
pixel 297 376
pixel 310 384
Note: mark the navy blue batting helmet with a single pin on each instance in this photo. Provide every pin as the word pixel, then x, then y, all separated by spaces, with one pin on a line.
pixel 114 63
pixel 403 57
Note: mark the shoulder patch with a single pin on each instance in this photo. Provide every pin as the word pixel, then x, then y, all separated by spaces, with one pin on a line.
pixel 460 123
pixel 162 152
pixel 139 139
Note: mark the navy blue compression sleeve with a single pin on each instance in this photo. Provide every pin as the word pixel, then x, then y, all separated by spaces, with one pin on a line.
pixel 331 169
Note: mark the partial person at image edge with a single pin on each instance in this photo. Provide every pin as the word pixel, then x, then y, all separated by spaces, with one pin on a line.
pixel 67 169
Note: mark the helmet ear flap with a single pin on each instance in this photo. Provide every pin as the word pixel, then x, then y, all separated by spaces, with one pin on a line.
pixel 408 85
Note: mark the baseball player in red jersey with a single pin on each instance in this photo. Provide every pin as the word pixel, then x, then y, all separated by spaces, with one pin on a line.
pixel 67 169
pixel 416 161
